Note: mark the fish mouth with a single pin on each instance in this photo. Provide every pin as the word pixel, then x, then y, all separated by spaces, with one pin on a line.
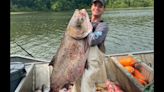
pixel 79 26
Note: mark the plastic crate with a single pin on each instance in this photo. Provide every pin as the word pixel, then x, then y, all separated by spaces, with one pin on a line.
pixel 125 79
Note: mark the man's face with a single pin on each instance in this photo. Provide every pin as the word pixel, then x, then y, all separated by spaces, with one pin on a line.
pixel 97 8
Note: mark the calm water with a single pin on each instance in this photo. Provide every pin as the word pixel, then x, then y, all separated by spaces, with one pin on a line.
pixel 40 33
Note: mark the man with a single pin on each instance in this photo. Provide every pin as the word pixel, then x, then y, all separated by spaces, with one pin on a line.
pixel 95 66
pixel 100 28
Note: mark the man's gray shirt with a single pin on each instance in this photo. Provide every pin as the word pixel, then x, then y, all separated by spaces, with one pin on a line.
pixel 98 34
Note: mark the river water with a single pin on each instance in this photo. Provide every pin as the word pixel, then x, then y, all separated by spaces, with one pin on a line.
pixel 40 33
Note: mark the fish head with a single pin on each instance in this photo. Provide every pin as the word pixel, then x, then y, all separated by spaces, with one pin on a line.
pixel 79 25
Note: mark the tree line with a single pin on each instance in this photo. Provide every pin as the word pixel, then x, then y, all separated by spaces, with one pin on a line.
pixel 64 5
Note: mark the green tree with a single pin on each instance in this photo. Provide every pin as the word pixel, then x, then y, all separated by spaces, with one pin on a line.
pixel 63 5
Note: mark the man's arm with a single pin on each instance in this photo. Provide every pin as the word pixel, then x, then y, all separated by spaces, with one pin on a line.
pixel 99 35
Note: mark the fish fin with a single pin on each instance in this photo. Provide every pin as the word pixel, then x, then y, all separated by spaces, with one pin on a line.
pixel 86 45
pixel 52 61
pixel 86 64
pixel 67 85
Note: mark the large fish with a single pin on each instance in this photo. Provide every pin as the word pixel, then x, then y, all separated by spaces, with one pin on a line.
pixel 69 61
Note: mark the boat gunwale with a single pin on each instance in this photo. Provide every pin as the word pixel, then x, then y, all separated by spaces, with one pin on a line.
pixel 31 58
pixel 130 53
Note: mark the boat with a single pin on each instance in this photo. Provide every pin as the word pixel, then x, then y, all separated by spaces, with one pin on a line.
pixel 38 72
